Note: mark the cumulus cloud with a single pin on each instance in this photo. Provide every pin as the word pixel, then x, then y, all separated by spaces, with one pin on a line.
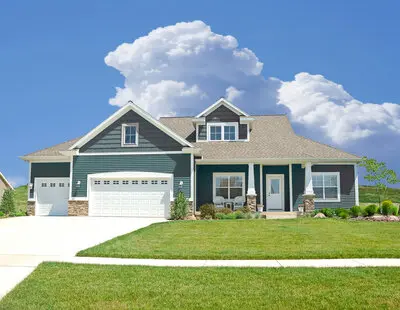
pixel 319 103
pixel 183 68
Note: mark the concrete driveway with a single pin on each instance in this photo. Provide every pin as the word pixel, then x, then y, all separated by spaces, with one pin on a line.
pixel 27 241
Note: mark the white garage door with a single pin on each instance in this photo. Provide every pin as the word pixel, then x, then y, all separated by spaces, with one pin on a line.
pixel 51 196
pixel 148 197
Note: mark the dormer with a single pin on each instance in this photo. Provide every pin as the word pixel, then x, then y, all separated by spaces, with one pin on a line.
pixel 222 121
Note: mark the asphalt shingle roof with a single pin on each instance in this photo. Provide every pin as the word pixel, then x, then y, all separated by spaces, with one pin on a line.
pixel 271 137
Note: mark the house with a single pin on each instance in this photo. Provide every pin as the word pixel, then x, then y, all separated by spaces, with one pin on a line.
pixel 4 185
pixel 133 165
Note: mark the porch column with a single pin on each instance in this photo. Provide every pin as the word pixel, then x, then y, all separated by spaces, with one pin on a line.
pixel 308 197
pixel 251 190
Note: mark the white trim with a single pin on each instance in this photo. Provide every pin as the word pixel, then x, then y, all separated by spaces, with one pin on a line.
pixel 261 185
pixel 191 177
pixel 356 184
pixel 6 181
pixel 79 199
pixel 222 125
pixel 123 126
pixel 46 159
pixel 197 131
pixel 132 153
pixel 130 106
pixel 218 174
pixel 217 104
pixel 290 188
pixel 282 189
pixel 251 188
pixel 29 182
pixel 323 185
pixel 273 161
pixel 70 176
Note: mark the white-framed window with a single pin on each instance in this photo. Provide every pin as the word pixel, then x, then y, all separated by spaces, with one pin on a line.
pixel 52 184
pixel 222 131
pixel 115 182
pixel 145 182
pixel 125 182
pixel 106 182
pixel 154 182
pixel 44 184
pixel 130 135
pixel 97 182
pixel 326 186
pixel 229 184
pixel 135 182
pixel 61 184
pixel 164 182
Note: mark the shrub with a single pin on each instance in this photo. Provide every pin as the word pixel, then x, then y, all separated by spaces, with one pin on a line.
pixel 370 210
pixel 239 215
pixel 7 205
pixel 337 211
pixel 1 213
pixel 327 212
pixel 387 207
pixel 220 216
pixel 395 210
pixel 225 210
pixel 257 215
pixel 207 211
pixel 180 207
pixel 344 214
pixel 355 211
pixel 230 216
pixel 245 209
pixel 248 216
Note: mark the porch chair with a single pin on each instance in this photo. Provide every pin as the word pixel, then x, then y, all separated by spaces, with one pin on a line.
pixel 238 202
pixel 219 202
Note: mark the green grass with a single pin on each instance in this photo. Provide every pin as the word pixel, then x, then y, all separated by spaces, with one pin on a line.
pixel 68 286
pixel 368 194
pixel 255 239
pixel 21 197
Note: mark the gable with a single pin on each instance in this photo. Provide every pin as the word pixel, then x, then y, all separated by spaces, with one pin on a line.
pixel 222 114
pixel 151 138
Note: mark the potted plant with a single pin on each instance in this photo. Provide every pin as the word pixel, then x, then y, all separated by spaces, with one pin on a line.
pixel 260 208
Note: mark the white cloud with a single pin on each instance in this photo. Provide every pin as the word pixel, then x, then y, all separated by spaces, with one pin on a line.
pixel 181 69
pixel 321 104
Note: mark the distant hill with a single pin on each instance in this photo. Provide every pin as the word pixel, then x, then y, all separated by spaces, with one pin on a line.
pixel 368 194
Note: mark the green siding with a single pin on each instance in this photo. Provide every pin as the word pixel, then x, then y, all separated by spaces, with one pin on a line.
pixel 277 170
pixel 178 164
pixel 48 170
pixel 151 139
pixel 347 191
pixel 204 180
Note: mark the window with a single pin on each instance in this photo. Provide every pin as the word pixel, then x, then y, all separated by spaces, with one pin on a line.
pixel 52 184
pixel 164 182
pixel 229 185
pixel 97 182
pixel 44 184
pixel 144 182
pixel 135 182
pixel 154 182
pixel 115 182
pixel 326 186
pixel 222 131
pixel 129 134
pixel 106 182
pixel 61 184
pixel 125 182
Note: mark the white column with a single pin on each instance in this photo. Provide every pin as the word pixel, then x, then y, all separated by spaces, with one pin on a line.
pixel 251 190
pixel 261 185
pixel 308 186
pixel 356 184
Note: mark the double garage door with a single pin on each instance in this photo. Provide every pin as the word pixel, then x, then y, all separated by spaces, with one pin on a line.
pixel 148 197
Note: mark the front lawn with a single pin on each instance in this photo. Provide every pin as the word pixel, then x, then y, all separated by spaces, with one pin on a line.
pixel 255 239
pixel 68 286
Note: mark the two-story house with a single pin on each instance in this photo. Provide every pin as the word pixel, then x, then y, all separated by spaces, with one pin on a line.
pixel 133 165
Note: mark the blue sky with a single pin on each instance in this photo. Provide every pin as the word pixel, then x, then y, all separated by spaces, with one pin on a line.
pixel 55 84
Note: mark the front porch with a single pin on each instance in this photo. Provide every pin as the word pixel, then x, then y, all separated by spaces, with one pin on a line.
pixel 277 188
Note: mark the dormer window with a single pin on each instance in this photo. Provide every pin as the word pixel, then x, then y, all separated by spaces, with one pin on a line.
pixel 129 135
pixel 222 131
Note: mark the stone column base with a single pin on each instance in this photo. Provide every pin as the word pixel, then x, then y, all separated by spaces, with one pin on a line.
pixel 308 202
pixel 252 202
pixel 78 208
pixel 30 208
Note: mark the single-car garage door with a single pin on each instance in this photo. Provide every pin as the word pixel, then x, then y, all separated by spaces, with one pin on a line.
pixel 51 196
pixel 147 196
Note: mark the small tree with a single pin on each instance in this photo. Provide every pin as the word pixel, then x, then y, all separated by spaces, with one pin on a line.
pixel 379 175
pixel 180 208
pixel 7 205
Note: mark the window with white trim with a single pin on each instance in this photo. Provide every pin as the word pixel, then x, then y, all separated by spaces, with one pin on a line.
pixel 222 131
pixel 326 186
pixel 97 182
pixel 229 185
pixel 129 134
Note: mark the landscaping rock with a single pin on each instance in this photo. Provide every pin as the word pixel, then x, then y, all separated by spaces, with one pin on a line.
pixel 393 218
pixel 319 216
pixel 191 218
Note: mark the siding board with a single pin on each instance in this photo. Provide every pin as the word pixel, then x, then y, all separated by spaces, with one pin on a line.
pixel 178 164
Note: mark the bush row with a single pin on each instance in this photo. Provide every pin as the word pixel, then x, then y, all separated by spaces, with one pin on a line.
pixel 209 211
pixel 388 208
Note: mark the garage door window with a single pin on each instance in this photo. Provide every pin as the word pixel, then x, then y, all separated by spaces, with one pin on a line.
pixel 125 182
pixel 52 184
pixel 164 182
pixel 115 182
pixel 154 182
pixel 145 182
pixel 44 184
pixel 61 184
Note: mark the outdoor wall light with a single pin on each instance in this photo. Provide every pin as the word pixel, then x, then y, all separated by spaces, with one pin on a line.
pixel 78 183
pixel 180 184
pixel 30 185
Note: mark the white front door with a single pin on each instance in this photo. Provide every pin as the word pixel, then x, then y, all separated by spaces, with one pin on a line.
pixel 275 192
pixel 51 196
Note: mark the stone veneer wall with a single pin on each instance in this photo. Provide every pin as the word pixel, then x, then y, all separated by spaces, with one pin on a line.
pixel 30 208
pixel 78 208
